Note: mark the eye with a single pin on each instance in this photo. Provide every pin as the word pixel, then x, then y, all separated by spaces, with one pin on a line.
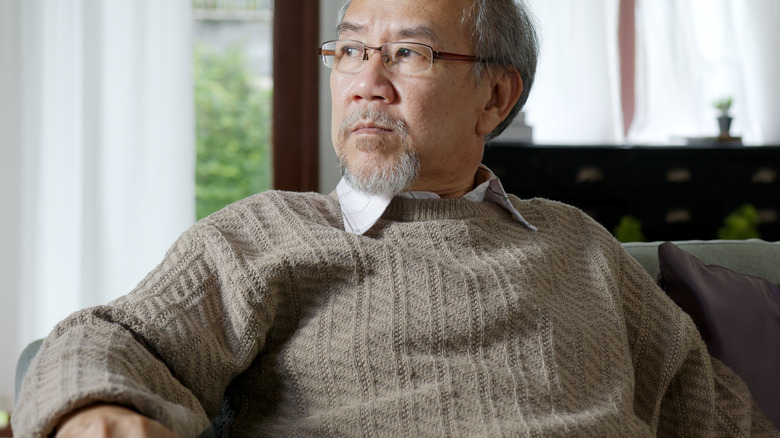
pixel 406 52
pixel 351 51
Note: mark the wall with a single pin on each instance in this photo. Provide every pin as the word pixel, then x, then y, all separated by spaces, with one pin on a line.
pixel 329 173
pixel 10 197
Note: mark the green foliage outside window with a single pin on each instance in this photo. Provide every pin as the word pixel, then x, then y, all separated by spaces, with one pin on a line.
pixel 233 125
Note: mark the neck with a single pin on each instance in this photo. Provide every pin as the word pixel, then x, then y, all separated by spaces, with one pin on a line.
pixel 454 188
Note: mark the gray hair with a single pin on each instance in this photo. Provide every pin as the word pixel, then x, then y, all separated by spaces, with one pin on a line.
pixel 505 35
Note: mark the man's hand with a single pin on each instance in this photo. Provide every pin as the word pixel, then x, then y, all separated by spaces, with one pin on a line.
pixel 106 421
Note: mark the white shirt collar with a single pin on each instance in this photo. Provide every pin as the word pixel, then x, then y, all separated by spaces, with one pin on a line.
pixel 361 210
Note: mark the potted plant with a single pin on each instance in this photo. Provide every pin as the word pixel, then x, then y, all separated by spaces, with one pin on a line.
pixel 741 224
pixel 723 105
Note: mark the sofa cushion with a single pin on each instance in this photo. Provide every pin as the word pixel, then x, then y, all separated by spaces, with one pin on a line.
pixel 738 316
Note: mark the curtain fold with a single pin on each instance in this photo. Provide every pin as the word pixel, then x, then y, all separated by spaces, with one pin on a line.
pixel 758 52
pixel 693 52
pixel 576 95
pixel 103 151
pixel 689 54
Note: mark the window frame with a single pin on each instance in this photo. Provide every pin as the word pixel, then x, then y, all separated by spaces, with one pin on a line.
pixel 295 127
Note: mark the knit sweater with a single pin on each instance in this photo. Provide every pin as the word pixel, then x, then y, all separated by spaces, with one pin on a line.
pixel 448 318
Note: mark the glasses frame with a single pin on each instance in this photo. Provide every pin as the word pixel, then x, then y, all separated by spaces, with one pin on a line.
pixel 444 56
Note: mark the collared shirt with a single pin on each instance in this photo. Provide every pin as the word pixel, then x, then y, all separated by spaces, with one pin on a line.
pixel 361 210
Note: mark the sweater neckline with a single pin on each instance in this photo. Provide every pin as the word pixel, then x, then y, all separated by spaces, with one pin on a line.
pixel 405 209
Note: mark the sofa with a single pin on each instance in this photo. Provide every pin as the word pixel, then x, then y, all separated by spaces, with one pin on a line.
pixel 751 257
pixel 730 290
pixel 741 286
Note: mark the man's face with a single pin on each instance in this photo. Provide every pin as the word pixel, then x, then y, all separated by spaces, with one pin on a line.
pixel 386 125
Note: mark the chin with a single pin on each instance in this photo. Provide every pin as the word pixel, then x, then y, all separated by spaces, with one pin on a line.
pixel 381 173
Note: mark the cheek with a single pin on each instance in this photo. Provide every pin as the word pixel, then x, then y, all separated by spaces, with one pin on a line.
pixel 337 107
pixel 339 85
pixel 446 113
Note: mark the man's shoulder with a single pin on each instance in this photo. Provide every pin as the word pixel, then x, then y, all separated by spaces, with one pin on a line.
pixel 289 197
pixel 544 208
pixel 559 218
pixel 282 197
pixel 276 204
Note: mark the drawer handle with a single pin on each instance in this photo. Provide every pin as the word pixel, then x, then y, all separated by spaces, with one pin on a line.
pixel 678 216
pixel 589 174
pixel 678 175
pixel 764 175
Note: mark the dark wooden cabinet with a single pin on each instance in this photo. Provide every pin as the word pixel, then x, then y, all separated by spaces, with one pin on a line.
pixel 677 192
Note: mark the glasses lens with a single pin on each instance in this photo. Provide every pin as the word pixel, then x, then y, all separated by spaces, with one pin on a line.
pixel 407 58
pixel 347 55
pixel 328 52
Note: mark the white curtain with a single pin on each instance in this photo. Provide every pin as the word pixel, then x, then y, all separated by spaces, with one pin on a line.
pixel 692 52
pixel 97 165
pixel 576 96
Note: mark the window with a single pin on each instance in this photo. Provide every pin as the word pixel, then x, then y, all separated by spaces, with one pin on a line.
pixel 232 57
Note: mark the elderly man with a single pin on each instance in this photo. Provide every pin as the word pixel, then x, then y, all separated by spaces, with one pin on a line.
pixel 417 300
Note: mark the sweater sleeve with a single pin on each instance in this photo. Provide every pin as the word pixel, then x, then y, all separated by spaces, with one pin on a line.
pixel 169 348
pixel 680 390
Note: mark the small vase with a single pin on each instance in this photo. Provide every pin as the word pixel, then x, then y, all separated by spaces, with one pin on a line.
pixel 724 122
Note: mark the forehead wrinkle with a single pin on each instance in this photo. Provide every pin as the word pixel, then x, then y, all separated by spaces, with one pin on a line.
pixel 420 32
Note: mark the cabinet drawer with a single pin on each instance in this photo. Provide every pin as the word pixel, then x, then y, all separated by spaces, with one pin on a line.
pixel 580 172
pixel 753 177
pixel 678 193
pixel 673 176
pixel 680 219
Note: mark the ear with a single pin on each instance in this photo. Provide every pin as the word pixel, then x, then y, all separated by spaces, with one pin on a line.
pixel 506 87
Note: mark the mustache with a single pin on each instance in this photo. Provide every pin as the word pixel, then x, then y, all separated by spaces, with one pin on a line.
pixel 379 118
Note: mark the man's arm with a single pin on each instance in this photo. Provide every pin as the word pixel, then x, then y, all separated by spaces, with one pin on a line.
pixel 167 350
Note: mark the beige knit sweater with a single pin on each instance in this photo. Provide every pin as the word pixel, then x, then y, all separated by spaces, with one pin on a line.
pixel 449 318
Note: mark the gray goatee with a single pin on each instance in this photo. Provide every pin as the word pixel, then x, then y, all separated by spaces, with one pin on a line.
pixel 389 178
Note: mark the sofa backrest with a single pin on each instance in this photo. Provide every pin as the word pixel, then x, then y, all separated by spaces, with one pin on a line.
pixel 751 257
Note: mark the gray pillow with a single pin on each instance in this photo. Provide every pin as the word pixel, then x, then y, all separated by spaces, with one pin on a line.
pixel 738 316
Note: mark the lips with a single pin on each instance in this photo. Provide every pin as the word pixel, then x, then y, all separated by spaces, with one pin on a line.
pixel 370 128
pixel 370 124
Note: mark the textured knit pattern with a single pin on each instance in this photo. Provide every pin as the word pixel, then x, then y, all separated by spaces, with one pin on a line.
pixel 448 318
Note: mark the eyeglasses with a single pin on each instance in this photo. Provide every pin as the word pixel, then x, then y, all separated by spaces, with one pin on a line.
pixel 398 57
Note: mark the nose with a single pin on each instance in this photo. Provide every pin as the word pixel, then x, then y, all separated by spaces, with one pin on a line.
pixel 373 82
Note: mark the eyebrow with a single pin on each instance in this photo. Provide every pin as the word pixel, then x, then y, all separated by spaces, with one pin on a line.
pixel 417 32
pixel 345 25
pixel 411 32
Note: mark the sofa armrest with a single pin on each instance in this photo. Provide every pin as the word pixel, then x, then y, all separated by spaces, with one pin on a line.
pixel 23 363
